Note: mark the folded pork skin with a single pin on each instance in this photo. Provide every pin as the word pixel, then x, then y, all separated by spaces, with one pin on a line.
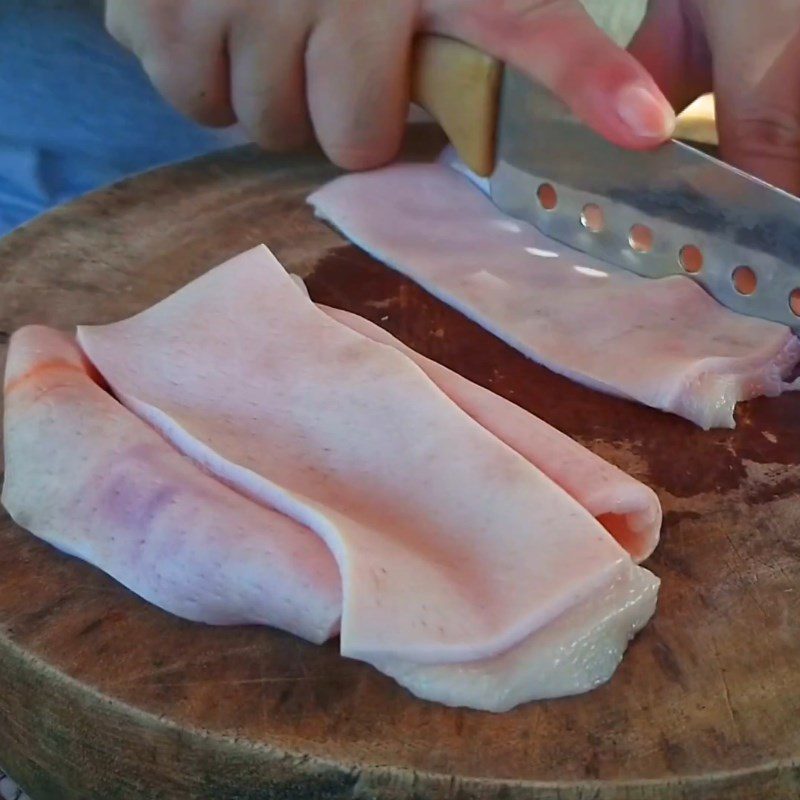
pixel 627 508
pixel 452 547
pixel 150 517
pixel 86 475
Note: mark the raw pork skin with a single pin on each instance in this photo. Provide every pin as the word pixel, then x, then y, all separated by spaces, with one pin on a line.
pixel 89 477
pixel 665 343
pixel 272 461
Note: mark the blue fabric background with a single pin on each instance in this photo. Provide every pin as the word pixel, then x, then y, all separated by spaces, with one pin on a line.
pixel 76 110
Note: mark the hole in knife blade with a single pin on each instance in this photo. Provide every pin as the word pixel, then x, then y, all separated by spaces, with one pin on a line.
pixel 691 258
pixel 548 197
pixel 593 218
pixel 640 238
pixel 744 280
pixel 794 302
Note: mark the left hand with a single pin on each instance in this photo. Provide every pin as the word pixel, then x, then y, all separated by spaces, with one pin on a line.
pixel 748 54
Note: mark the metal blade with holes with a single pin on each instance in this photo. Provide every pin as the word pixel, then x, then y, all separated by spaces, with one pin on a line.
pixel 669 211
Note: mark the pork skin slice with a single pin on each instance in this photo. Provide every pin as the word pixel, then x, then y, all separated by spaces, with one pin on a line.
pixel 451 546
pixel 666 343
pixel 89 477
pixel 577 652
pixel 627 508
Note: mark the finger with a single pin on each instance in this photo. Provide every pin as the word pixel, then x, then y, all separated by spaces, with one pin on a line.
pixel 120 24
pixel 558 45
pixel 671 46
pixel 358 68
pixel 758 107
pixel 182 49
pixel 268 77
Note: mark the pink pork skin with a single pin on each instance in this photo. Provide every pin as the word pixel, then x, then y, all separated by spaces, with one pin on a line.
pixel 459 564
pixel 667 343
pixel 89 477
pixel 627 508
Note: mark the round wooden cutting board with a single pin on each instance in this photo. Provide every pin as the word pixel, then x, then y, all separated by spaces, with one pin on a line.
pixel 103 697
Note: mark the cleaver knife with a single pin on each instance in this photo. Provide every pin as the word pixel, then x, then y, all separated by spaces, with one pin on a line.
pixel 673 210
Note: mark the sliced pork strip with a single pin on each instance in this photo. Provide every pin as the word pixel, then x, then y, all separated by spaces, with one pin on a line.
pixel 575 653
pixel 86 475
pixel 664 343
pixel 629 509
pixel 451 546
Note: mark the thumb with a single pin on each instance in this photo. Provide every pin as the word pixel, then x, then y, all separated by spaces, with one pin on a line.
pixel 557 44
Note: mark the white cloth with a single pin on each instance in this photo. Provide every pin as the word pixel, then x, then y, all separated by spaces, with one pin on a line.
pixel 9 790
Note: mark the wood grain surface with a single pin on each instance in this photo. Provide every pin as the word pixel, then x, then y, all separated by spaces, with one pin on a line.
pixel 105 697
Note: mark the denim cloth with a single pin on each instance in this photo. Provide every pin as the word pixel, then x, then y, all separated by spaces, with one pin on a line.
pixel 76 110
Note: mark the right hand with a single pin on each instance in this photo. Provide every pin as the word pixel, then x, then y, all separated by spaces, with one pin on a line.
pixel 338 70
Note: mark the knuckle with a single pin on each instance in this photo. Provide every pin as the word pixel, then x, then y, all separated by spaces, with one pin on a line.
pixel 210 111
pixel 215 115
pixel 192 95
pixel 148 25
pixel 518 21
pixel 279 137
pixel 167 22
pixel 355 157
pixel 770 132
pixel 275 118
pixel 368 138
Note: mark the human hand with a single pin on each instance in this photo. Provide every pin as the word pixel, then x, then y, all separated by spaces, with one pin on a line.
pixel 748 54
pixel 338 70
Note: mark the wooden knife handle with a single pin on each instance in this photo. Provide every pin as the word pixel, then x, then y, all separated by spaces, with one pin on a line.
pixel 698 123
pixel 460 87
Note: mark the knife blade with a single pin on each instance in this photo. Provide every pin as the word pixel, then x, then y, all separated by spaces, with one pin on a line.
pixel 669 211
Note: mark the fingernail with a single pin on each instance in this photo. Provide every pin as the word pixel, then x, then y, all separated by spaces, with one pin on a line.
pixel 646 114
